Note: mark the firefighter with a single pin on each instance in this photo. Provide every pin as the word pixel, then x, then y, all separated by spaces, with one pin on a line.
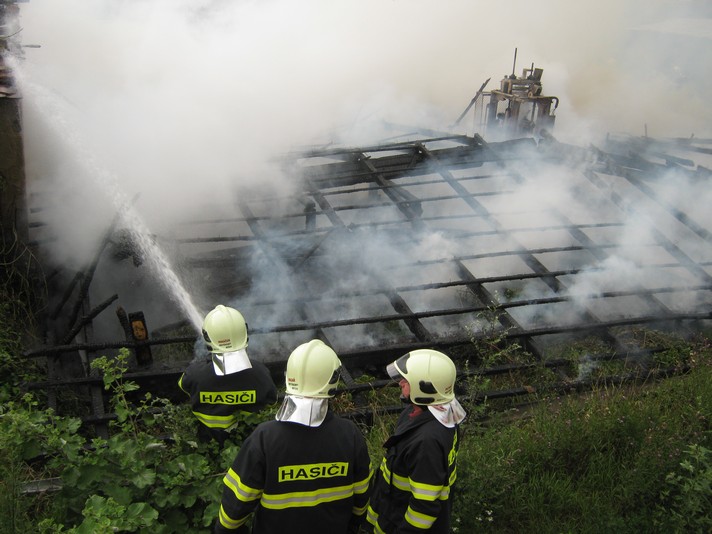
pixel 309 470
pixel 228 382
pixel 411 490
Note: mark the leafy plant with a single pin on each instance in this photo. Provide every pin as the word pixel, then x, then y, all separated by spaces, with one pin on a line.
pixel 135 480
pixel 29 436
pixel 686 499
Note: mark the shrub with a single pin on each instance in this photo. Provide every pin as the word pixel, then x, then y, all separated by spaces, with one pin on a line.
pixel 135 480
pixel 686 499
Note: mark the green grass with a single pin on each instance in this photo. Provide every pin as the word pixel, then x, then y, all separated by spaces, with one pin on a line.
pixel 602 461
pixel 596 463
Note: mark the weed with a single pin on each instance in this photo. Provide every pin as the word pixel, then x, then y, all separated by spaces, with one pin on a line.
pixel 596 463
pixel 686 499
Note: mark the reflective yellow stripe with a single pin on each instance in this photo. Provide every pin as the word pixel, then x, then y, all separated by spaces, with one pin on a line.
pixel 398 481
pixel 306 498
pixel 362 486
pixel 229 522
pixel 372 517
pixel 216 421
pixel 419 520
pixel 243 492
pixel 452 456
pixel 426 492
pixel 359 511
pixel 384 465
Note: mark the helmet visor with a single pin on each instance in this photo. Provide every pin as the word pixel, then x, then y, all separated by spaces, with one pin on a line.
pixel 399 368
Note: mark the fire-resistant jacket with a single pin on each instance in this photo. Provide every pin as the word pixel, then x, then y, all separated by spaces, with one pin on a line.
pixel 217 400
pixel 411 490
pixel 298 479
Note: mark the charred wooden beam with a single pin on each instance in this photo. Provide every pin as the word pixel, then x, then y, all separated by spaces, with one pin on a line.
pixel 88 318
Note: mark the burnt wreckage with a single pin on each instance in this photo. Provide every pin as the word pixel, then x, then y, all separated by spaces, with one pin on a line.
pixel 428 240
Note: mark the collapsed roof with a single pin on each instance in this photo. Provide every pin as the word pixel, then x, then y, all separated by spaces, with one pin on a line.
pixel 382 249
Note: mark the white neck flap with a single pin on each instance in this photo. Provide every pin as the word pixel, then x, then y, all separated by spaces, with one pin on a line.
pixel 308 411
pixel 227 363
pixel 449 414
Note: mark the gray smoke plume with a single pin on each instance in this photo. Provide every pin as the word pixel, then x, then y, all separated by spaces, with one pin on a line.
pixel 187 103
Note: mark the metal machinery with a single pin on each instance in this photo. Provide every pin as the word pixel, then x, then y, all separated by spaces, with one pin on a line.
pixel 518 107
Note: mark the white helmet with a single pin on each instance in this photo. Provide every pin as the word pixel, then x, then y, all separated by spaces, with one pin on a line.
pixel 225 330
pixel 312 370
pixel 430 374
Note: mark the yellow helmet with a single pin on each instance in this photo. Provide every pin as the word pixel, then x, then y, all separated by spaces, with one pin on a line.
pixel 431 375
pixel 312 370
pixel 225 330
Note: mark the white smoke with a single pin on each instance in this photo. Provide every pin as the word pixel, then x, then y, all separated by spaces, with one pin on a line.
pixel 187 101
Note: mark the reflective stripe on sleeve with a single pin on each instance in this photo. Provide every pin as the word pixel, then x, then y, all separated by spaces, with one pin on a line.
pixel 372 518
pixel 359 511
pixel 391 478
pixel 359 489
pixel 362 486
pixel 426 492
pixel 229 522
pixel 243 492
pixel 419 520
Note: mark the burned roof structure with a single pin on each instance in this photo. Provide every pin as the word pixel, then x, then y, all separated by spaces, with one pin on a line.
pixel 426 239
pixel 431 241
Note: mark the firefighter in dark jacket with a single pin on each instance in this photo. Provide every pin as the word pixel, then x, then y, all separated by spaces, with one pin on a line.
pixel 228 382
pixel 412 488
pixel 307 472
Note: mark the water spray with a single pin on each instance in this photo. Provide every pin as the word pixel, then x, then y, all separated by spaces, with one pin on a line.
pixel 149 249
